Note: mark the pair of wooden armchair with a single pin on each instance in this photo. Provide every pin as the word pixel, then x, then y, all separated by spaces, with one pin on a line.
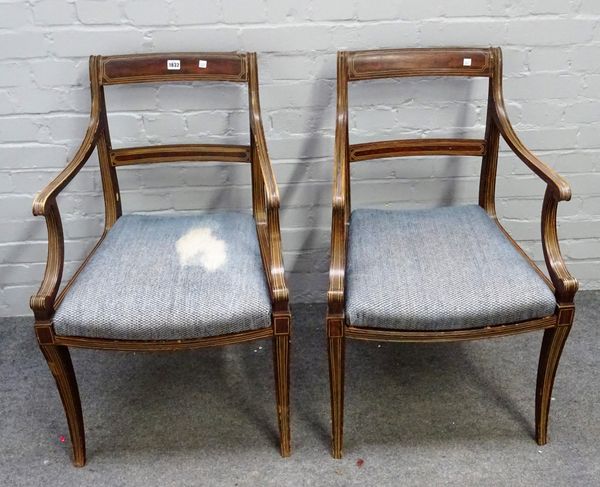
pixel 157 283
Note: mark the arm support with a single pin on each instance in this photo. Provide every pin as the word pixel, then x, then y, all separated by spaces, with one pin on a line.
pixel 564 283
pixel 341 196
pixel 265 198
pixel 42 303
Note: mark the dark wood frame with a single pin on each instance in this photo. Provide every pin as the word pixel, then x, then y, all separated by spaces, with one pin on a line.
pixel 234 67
pixel 360 65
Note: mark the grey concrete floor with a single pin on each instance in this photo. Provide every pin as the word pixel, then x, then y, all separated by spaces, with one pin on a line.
pixel 445 414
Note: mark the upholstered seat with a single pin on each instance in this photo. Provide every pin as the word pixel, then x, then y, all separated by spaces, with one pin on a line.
pixel 170 277
pixel 446 268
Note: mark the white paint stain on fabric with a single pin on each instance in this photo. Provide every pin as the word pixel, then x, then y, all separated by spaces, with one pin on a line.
pixel 200 247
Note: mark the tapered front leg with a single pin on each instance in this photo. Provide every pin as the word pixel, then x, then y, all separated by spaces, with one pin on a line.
pixel 552 347
pixel 281 355
pixel 59 362
pixel 336 350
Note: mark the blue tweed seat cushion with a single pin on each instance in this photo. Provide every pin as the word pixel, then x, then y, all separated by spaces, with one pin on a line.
pixel 446 268
pixel 170 277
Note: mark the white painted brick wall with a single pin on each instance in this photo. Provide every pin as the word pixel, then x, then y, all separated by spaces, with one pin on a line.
pixel 552 84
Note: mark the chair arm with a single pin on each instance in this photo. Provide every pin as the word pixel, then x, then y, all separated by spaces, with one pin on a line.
pixel 44 203
pixel 267 216
pixel 341 196
pixel 341 208
pixel 257 135
pixel 339 236
pixel 268 228
pixel 559 186
pixel 557 189
pixel 339 227
pixel 564 283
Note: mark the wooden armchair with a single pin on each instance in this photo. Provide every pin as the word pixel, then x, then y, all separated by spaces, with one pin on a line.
pixel 166 283
pixel 450 273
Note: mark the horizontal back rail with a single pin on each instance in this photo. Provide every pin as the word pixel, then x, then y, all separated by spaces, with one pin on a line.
pixel 183 152
pixel 153 68
pixel 416 147
pixel 392 63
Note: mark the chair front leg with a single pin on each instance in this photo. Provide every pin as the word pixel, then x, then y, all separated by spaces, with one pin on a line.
pixel 552 346
pixel 336 351
pixel 281 356
pixel 59 362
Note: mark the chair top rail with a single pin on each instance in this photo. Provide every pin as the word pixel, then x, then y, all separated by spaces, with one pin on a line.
pixel 393 63
pixel 173 67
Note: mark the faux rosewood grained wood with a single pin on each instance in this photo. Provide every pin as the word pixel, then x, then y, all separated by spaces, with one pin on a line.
pixel 237 67
pixel 181 152
pixel 416 147
pixel 154 68
pixel 469 62
pixel 389 63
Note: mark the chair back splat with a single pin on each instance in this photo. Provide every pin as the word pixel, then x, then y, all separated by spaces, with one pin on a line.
pixel 166 68
pixel 394 63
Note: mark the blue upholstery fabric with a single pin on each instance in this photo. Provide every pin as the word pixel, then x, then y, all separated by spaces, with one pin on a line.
pixel 170 277
pixel 446 268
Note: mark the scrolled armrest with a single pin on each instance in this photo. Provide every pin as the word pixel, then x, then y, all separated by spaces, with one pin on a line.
pixel 266 201
pixel 564 283
pixel 44 204
pixel 42 303
pixel 557 189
